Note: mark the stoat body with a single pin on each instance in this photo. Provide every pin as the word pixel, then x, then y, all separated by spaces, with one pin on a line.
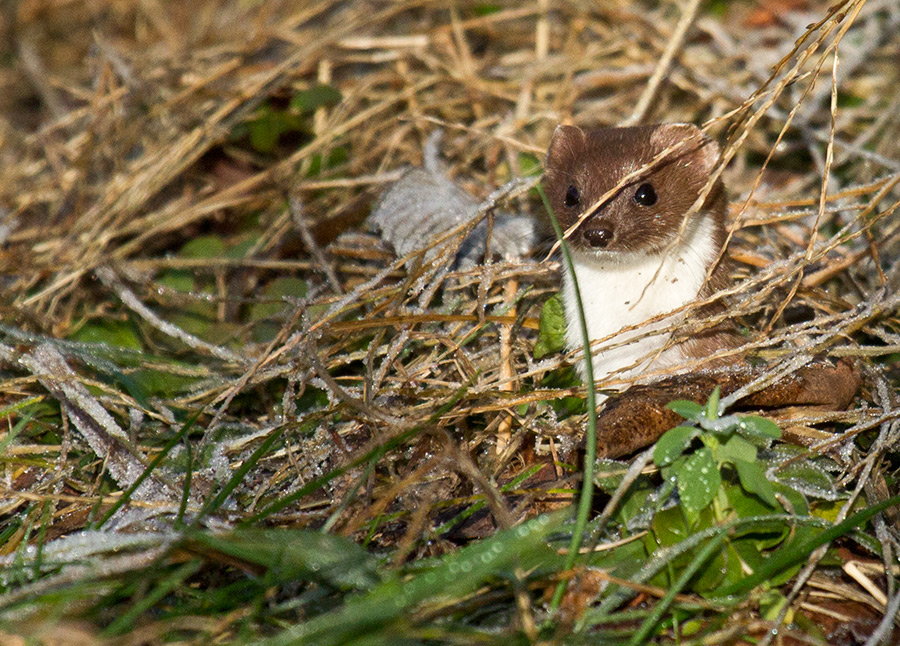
pixel 639 252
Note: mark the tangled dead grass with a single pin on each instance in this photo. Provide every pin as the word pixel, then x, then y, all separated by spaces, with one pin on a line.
pixel 123 137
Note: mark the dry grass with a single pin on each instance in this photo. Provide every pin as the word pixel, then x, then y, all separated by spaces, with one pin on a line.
pixel 123 138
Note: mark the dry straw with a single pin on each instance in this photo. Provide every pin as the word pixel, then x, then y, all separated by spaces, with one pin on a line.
pixel 136 151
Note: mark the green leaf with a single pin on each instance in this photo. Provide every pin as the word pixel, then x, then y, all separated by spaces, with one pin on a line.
pixel 623 562
pixel 155 383
pixel 798 502
pixel 758 426
pixel 242 248
pixel 275 292
pixel 733 571
pixel 181 280
pixel 712 406
pixel 318 96
pixel 268 125
pixel 744 504
pixel 670 472
pixel 551 329
pixel 109 331
pixel 770 604
pixel 810 628
pixel 808 478
pixel 699 480
pixel 687 409
pixel 320 162
pixel 264 134
pixel 713 573
pixel 749 552
pixel 487 9
pixel 800 549
pixel 718 8
pixel 608 474
pixel 699 559
pixel 673 443
pixel 203 247
pixel 529 164
pixel 635 503
pixel 754 480
pixel 669 528
pixel 764 534
pixel 736 449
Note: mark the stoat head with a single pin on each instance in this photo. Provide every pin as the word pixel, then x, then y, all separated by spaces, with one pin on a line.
pixel 645 213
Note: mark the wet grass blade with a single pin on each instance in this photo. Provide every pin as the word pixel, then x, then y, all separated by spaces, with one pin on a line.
pixel 387 606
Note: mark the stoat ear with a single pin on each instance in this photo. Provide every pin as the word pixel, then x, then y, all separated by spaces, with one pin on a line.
pixel 706 151
pixel 565 140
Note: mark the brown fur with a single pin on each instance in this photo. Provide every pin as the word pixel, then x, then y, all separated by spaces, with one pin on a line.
pixel 597 161
pixel 638 417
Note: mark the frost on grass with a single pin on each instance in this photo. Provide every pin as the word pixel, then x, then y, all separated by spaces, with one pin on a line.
pixel 105 437
pixel 85 545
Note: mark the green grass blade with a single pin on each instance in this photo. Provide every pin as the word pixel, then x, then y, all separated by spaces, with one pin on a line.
pixel 384 610
pixel 795 554
pixel 590 452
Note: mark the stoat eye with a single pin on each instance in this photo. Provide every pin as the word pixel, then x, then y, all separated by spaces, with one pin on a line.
pixel 573 197
pixel 645 195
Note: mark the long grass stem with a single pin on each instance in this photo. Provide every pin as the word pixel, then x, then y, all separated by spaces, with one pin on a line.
pixel 590 453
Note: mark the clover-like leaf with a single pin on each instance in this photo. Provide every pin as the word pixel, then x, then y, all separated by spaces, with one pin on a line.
pixel 712 406
pixel 318 96
pixel 808 478
pixel 754 480
pixel 699 480
pixel 673 443
pixel 687 409
pixel 758 426
pixel 737 449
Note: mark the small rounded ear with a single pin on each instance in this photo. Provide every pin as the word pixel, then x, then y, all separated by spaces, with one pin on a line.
pixel 565 139
pixel 702 147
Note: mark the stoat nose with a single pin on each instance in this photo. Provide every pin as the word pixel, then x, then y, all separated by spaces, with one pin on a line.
pixel 598 238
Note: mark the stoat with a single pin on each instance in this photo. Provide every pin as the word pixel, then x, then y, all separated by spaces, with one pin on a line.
pixel 641 251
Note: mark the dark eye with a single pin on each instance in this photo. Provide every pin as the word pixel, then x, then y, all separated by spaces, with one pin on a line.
pixel 572 197
pixel 645 195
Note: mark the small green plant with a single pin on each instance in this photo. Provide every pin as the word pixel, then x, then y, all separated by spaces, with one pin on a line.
pixel 728 442
pixel 715 484
pixel 551 328
pixel 731 513
pixel 711 467
pixel 273 120
pixel 552 339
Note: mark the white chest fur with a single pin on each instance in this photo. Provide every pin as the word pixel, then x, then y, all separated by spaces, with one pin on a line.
pixel 620 291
